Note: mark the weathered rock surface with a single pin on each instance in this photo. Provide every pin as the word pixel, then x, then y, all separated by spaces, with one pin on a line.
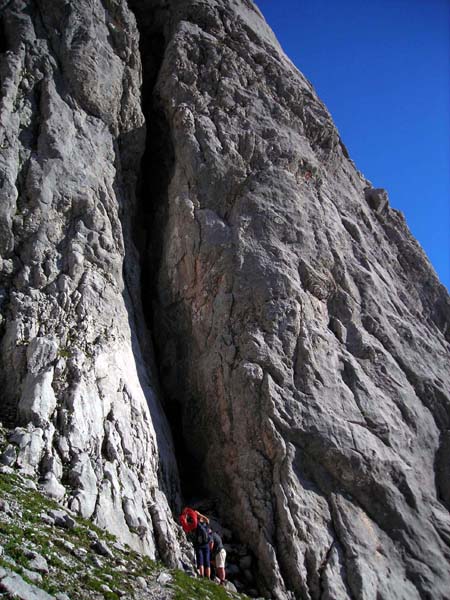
pixel 302 336
pixel 16 587
pixel 76 369
pixel 301 330
pixel 69 567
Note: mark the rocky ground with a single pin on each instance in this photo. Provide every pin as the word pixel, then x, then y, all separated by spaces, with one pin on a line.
pixel 46 552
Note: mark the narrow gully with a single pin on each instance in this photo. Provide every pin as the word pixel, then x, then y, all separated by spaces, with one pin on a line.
pixel 152 214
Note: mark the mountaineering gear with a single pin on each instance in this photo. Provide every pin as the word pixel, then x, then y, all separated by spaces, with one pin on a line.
pixel 195 523
pixel 189 520
pixel 202 550
pixel 201 535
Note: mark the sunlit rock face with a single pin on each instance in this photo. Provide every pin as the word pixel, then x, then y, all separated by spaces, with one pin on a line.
pixel 76 369
pixel 302 338
pixel 301 330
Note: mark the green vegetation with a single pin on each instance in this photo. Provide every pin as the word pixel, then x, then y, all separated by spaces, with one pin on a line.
pixel 64 353
pixel 94 583
pixel 187 587
pixel 73 566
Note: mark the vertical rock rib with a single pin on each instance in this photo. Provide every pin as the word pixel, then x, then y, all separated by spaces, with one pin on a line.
pixel 299 324
pixel 74 362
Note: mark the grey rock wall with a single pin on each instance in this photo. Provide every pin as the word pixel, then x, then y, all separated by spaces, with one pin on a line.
pixel 300 326
pixel 76 374
pixel 301 333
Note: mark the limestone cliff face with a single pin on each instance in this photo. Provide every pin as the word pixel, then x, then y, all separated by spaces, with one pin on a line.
pixel 300 326
pixel 302 336
pixel 76 375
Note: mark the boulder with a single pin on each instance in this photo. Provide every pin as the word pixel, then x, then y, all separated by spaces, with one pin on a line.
pixel 52 487
pixel 16 587
pixel 36 562
pixel 102 548
pixel 62 519
pixel 33 576
pixel 164 578
pixel 8 456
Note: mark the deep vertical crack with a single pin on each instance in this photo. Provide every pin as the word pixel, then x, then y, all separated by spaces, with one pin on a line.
pixel 151 218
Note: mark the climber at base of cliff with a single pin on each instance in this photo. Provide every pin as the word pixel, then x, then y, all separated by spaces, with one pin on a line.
pixel 197 524
pixel 218 555
pixel 202 549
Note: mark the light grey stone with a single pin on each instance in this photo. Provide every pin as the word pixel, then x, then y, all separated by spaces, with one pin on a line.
pixel 96 561
pixel 37 562
pixel 45 518
pixel 62 519
pixel 68 545
pixel 30 442
pixel 6 470
pixel 122 568
pixel 17 587
pixel 168 546
pixel 102 548
pixel 164 578
pixel 9 560
pixel 38 400
pixel 9 456
pixel 82 477
pixel 118 546
pixel 338 329
pixel 52 487
pixel 121 561
pixel 29 484
pixel 76 365
pixel 230 587
pixel 377 199
pixel 33 576
pixel 93 535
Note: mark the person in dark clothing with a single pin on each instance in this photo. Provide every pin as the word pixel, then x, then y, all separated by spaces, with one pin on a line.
pixel 218 555
pixel 202 541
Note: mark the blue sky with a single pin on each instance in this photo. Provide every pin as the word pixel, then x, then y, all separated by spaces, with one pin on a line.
pixel 382 68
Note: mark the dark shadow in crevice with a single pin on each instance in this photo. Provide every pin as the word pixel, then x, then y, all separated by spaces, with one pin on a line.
pixel 149 229
pixel 4 46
